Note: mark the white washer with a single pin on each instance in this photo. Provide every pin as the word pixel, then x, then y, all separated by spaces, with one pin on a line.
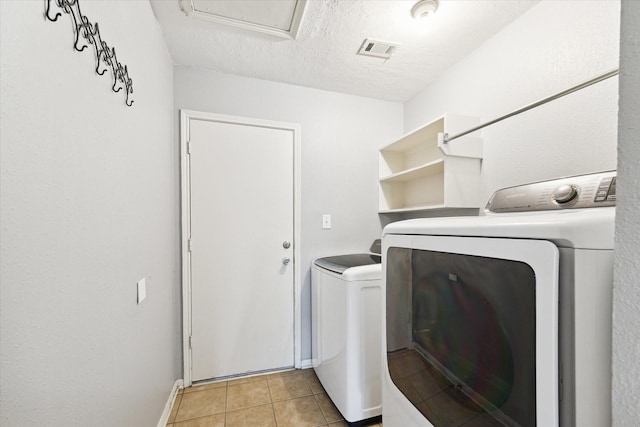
pixel 503 319
pixel 347 333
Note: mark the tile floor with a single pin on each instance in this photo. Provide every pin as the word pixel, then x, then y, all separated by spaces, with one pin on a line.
pixel 284 399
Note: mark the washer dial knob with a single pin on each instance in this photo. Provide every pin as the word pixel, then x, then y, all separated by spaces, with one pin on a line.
pixel 565 193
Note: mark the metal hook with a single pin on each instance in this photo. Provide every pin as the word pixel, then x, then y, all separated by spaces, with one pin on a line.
pixel 48 9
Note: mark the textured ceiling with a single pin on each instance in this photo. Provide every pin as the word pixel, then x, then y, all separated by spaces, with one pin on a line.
pixel 324 54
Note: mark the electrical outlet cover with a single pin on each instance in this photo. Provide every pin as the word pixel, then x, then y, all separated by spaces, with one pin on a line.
pixel 142 289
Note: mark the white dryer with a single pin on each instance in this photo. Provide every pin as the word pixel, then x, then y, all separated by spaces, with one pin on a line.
pixel 503 319
pixel 347 332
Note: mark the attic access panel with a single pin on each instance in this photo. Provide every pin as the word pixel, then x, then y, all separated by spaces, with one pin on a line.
pixel 280 18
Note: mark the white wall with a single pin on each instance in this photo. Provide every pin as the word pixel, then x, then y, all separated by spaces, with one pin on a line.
pixel 626 291
pixel 340 138
pixel 553 46
pixel 88 208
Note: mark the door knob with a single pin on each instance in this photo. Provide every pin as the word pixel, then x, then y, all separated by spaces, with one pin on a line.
pixel 286 260
pixel 286 244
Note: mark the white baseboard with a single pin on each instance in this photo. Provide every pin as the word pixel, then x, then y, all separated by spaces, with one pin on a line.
pixel 169 405
pixel 304 364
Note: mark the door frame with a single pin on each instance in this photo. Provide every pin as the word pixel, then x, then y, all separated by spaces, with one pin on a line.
pixel 185 117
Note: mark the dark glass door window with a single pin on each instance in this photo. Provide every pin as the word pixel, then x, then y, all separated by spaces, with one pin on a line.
pixel 461 337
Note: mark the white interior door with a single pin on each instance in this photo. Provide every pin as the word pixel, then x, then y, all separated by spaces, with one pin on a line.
pixel 241 179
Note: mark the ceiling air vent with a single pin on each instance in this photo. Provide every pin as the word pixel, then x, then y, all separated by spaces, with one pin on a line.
pixel 377 48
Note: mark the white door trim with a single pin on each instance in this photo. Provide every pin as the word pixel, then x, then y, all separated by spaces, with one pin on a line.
pixel 185 117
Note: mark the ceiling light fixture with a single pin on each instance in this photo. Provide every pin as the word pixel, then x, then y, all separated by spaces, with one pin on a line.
pixel 424 9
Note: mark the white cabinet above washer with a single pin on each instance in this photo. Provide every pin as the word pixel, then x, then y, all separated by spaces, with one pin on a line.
pixel 421 172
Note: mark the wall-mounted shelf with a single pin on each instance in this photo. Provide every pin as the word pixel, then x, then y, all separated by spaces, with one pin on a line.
pixel 420 172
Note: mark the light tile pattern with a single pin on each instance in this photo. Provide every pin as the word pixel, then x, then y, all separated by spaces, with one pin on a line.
pixel 284 399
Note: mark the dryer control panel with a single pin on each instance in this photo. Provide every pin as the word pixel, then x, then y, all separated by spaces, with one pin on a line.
pixel 575 192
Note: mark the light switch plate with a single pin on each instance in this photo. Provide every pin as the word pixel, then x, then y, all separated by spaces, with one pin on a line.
pixel 326 221
pixel 142 289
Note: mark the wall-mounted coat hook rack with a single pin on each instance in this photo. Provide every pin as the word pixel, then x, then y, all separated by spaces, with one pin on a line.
pixel 88 34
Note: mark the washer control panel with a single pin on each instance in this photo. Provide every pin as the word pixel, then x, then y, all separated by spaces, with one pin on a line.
pixel 576 192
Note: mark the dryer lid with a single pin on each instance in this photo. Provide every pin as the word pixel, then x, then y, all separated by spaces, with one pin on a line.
pixel 572 228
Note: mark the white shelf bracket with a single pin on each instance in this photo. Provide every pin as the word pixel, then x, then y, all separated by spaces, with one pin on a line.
pixel 468 146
